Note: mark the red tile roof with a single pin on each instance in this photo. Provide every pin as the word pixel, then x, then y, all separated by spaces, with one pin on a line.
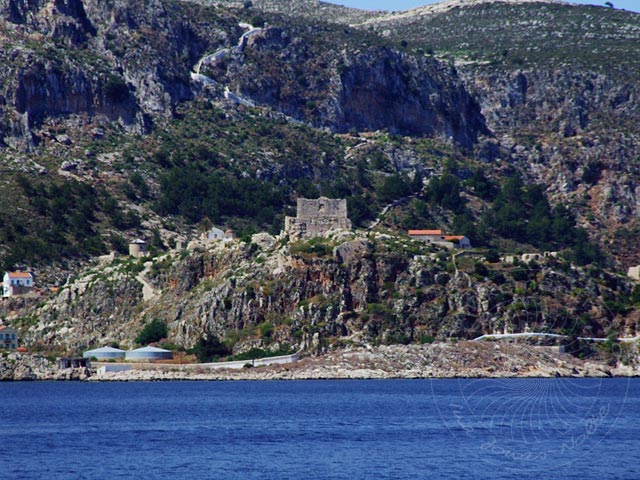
pixel 19 275
pixel 453 237
pixel 425 232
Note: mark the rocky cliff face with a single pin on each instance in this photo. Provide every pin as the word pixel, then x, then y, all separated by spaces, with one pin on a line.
pixel 407 95
pixel 131 62
pixel 125 61
pixel 375 89
pixel 353 289
pixel 64 21
pixel 558 126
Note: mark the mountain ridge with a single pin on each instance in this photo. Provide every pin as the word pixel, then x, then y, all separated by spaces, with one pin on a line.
pixel 447 5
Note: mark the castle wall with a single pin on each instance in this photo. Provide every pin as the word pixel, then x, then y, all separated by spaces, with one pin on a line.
pixel 316 217
pixel 321 207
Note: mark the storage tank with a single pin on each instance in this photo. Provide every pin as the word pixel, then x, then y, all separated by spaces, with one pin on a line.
pixel 105 353
pixel 146 354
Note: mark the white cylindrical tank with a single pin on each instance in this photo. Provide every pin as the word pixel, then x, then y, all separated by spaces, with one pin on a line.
pixel 105 353
pixel 146 354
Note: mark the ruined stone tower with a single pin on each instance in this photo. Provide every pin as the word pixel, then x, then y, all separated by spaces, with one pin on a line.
pixel 315 217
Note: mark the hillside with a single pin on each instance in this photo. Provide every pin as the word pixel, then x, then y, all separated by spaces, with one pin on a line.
pixel 349 289
pixel 514 123
pixel 556 83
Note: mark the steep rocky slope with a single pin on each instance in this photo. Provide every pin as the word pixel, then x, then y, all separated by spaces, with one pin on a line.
pixel 131 61
pixel 530 86
pixel 363 90
pixel 345 289
pixel 557 85
pixel 129 118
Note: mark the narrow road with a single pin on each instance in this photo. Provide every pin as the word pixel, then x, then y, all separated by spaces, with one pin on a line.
pixel 220 54
pixel 386 209
pixel 148 292
pixel 498 336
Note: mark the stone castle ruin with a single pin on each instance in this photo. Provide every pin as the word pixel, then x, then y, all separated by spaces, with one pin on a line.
pixel 315 217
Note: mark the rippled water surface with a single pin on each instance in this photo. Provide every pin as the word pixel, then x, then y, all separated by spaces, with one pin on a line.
pixel 396 429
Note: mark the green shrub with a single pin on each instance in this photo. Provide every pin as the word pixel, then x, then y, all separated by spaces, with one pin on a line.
pixel 266 330
pixel 116 89
pixel 520 274
pixel 210 349
pixel 154 331
pixel 481 269
pixel 314 247
pixel 425 338
pixel 492 256
pixel 255 353
pixel 119 243
pixel 445 191
pixel 397 338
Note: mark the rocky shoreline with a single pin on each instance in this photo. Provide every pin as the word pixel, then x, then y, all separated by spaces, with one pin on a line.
pixel 438 360
pixel 27 367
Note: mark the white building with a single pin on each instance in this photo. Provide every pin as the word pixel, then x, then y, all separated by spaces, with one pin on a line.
pixel 8 338
pixel 457 241
pixel 215 233
pixel 426 235
pixel 16 283
pixel 437 237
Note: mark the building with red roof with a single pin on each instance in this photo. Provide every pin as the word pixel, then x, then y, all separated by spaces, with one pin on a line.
pixel 437 237
pixel 17 283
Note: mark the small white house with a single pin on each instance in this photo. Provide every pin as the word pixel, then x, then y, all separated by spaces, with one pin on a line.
pixel 8 338
pixel 215 234
pixel 458 241
pixel 16 283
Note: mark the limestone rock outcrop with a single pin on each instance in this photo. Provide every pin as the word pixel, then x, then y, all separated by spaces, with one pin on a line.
pixel 337 290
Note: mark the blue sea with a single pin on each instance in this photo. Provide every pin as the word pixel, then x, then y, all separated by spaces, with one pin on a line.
pixel 379 429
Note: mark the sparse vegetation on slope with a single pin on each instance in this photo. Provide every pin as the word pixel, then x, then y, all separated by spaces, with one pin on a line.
pixel 513 124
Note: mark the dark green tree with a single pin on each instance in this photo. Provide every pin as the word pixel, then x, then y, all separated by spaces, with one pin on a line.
pixel 210 348
pixel 445 191
pixel 153 331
